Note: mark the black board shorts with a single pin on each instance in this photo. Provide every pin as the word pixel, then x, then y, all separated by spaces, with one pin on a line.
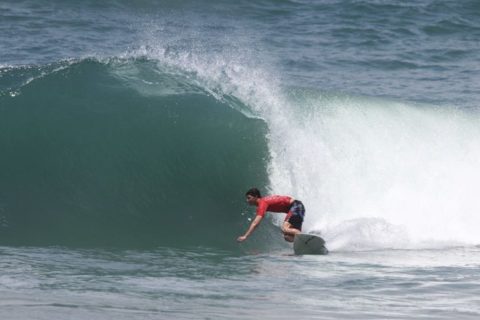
pixel 296 214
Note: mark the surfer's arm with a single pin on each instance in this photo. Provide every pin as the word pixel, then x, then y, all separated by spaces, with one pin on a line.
pixel 252 227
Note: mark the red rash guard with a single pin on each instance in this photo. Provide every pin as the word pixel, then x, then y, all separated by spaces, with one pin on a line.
pixel 274 204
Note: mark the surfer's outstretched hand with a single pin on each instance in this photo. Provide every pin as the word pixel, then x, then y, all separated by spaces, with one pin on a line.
pixel 241 238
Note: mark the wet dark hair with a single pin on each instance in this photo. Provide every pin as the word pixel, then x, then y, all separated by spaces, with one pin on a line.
pixel 253 192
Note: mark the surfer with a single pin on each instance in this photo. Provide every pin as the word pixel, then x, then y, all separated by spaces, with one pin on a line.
pixel 293 208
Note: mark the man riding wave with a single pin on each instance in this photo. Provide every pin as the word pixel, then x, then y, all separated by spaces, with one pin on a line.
pixel 275 203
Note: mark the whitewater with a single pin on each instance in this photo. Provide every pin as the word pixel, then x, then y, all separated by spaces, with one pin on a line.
pixel 129 134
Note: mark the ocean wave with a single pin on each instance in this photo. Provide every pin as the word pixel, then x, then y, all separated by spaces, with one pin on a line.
pixel 94 155
pixel 141 148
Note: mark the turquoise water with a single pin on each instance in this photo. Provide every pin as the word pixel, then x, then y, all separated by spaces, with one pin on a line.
pixel 129 133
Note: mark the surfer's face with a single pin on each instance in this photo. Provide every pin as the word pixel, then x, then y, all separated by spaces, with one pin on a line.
pixel 251 200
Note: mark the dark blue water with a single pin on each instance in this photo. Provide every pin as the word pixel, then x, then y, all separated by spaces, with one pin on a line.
pixel 129 132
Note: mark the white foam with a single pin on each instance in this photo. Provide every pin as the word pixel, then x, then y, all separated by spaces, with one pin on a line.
pixel 413 167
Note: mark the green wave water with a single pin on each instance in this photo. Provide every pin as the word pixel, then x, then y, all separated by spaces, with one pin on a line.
pixel 87 160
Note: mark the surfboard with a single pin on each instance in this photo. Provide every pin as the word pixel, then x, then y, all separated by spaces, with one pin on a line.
pixel 305 243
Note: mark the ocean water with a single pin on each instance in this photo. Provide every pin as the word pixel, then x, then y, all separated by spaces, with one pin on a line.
pixel 129 132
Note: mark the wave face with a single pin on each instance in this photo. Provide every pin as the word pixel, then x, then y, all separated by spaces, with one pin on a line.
pixel 91 156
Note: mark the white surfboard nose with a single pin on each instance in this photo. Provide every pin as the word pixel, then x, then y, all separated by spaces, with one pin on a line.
pixel 309 244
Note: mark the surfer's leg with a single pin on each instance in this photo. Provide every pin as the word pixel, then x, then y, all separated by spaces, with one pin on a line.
pixel 292 225
pixel 287 228
pixel 289 231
